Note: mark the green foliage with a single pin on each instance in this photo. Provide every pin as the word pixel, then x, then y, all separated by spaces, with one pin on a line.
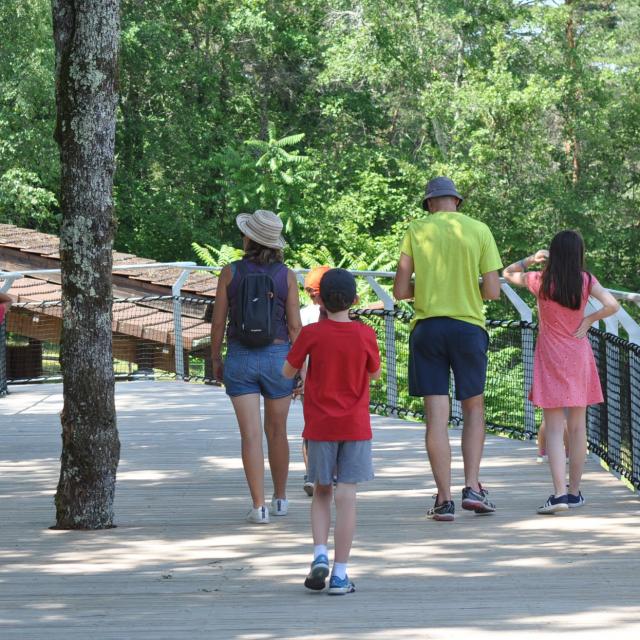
pixel 334 114
pixel 212 257
pixel 25 203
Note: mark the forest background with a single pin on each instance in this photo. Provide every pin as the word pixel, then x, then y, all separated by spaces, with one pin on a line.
pixel 335 114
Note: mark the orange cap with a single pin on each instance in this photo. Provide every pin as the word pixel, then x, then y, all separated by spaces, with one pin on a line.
pixel 312 279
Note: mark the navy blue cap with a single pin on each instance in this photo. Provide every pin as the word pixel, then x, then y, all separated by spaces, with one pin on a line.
pixel 439 187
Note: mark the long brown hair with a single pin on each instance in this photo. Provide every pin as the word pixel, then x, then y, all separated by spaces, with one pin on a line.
pixel 260 254
pixel 562 279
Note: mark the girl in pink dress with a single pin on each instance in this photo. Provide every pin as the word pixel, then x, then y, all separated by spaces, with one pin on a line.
pixel 565 378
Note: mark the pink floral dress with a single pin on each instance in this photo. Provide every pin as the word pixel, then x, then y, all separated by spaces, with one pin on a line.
pixel 564 369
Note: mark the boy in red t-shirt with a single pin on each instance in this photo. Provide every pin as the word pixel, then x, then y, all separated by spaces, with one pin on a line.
pixel 343 357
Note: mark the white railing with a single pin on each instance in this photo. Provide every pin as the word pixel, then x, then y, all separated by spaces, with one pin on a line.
pixel 372 278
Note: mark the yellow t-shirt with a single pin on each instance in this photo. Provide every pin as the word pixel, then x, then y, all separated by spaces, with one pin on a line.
pixel 450 251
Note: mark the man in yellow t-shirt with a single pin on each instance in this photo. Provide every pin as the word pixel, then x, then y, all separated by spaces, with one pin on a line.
pixel 448 251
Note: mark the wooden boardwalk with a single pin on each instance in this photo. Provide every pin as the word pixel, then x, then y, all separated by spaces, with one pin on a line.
pixel 183 563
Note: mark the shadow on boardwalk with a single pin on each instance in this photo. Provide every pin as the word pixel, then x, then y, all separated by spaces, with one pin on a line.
pixel 183 564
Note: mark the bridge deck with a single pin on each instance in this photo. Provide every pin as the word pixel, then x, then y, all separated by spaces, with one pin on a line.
pixel 183 564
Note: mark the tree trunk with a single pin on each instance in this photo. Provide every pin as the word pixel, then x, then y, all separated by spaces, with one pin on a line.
pixel 86 34
pixel 576 96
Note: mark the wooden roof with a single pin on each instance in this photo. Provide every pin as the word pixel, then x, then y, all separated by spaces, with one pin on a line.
pixel 26 249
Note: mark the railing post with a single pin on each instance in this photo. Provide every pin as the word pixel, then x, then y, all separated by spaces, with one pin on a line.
pixel 527 346
pixel 176 290
pixel 612 386
pixel 390 344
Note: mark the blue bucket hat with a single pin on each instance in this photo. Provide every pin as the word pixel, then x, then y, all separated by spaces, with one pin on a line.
pixel 439 187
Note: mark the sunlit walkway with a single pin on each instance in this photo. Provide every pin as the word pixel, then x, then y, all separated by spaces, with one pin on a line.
pixel 183 564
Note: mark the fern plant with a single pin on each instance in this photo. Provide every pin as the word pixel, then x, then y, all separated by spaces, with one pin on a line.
pixel 212 257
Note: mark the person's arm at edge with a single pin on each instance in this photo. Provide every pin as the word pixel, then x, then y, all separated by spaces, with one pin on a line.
pixel 6 301
pixel 219 321
pixel 292 307
pixel 403 288
pixel 609 306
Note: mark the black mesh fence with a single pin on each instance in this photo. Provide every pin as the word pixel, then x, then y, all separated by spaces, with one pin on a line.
pixel 613 428
pixel 146 331
pixel 506 405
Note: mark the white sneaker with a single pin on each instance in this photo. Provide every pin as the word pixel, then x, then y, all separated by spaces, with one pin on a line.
pixel 258 515
pixel 279 506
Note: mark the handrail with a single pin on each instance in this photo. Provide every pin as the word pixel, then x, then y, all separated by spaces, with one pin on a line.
pixel 523 309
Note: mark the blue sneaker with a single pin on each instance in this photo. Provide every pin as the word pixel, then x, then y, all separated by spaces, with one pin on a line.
pixel 317 574
pixel 576 501
pixel 340 586
pixel 554 505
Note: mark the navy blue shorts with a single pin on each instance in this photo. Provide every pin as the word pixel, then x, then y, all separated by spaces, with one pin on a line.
pixel 438 345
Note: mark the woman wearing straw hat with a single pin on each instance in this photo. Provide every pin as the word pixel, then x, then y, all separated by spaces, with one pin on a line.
pixel 250 372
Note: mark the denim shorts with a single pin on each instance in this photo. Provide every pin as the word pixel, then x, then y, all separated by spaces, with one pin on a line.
pixel 256 370
pixel 349 460
pixel 438 345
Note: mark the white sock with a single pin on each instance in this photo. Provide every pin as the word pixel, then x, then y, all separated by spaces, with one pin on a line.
pixel 319 550
pixel 340 570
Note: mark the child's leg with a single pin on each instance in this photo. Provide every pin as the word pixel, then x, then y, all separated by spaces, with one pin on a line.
pixel 345 521
pixel 577 429
pixel 554 419
pixel 321 513
pixel 542 445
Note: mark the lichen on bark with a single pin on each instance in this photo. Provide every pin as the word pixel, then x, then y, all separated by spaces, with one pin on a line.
pixel 86 34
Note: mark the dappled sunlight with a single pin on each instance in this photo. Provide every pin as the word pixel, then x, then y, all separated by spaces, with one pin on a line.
pixel 151 475
pixel 183 551
pixel 220 462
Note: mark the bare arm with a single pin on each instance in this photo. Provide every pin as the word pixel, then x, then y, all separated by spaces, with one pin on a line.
pixel 490 287
pixel 403 288
pixel 288 371
pixel 514 273
pixel 376 374
pixel 292 307
pixel 609 306
pixel 5 299
pixel 219 321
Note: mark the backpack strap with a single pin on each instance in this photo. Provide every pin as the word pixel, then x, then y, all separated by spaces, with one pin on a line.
pixel 239 267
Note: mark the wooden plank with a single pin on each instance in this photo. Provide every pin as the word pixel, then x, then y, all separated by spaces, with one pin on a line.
pixel 184 564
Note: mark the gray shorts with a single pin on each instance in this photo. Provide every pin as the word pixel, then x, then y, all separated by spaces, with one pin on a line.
pixel 349 460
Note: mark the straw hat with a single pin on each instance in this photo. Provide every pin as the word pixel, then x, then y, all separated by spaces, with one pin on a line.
pixel 263 227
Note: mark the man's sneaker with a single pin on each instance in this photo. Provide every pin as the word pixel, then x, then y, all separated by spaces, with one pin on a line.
pixel 279 506
pixel 477 501
pixel 542 457
pixel 258 515
pixel 307 486
pixel 340 586
pixel 554 505
pixel 444 512
pixel 576 501
pixel 318 573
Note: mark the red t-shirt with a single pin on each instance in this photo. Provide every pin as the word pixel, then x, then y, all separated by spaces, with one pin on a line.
pixel 336 390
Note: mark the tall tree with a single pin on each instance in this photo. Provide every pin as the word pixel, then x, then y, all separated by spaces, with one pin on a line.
pixel 86 35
